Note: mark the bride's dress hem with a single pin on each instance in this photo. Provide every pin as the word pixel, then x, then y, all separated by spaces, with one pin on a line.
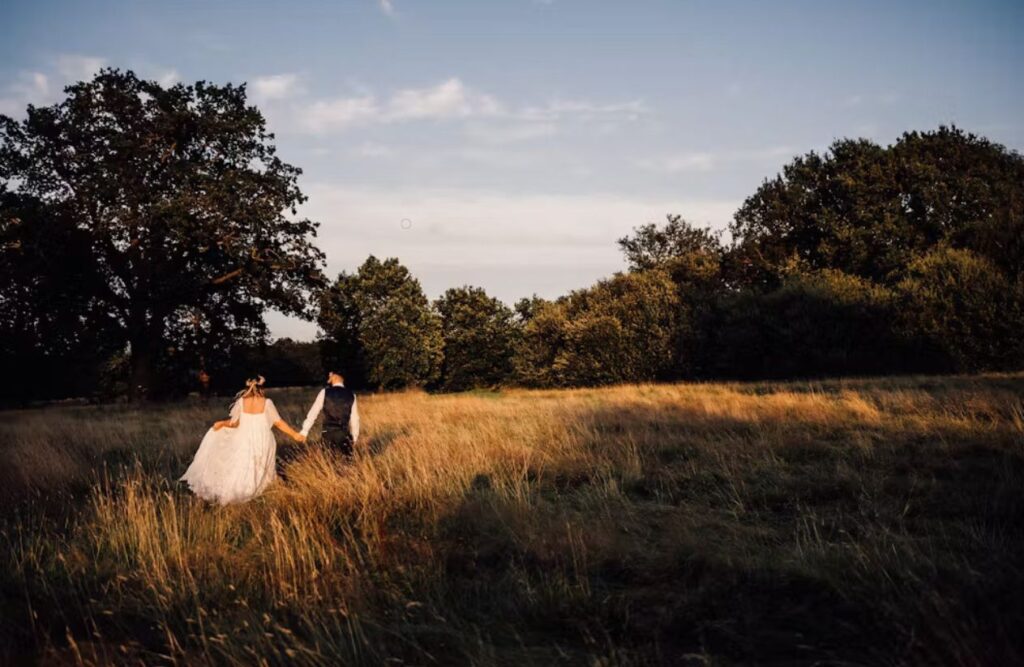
pixel 235 464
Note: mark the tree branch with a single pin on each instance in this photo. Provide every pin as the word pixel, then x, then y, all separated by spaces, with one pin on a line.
pixel 226 277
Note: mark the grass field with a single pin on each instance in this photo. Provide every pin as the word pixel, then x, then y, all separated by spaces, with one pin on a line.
pixel 841 522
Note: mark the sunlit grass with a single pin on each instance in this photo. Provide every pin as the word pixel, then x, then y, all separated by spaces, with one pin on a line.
pixel 860 521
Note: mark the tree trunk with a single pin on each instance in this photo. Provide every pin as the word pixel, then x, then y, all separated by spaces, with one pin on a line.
pixel 143 372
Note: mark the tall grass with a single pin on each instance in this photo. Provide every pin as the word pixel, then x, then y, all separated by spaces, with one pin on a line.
pixel 851 522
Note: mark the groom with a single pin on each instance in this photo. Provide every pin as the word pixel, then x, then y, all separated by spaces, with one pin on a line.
pixel 341 415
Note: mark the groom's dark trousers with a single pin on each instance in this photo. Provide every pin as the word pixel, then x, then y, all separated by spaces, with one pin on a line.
pixel 339 440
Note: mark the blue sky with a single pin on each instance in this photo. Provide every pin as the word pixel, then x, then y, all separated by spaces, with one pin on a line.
pixel 507 144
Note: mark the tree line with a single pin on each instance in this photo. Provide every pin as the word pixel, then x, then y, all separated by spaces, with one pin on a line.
pixel 145 230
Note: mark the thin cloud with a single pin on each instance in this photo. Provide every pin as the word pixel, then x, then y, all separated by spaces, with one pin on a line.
pixel 78 67
pixel 861 100
pixel 508 133
pixel 682 162
pixel 168 78
pixel 452 99
pixel 368 149
pixel 45 87
pixel 698 161
pixel 325 116
pixel 449 99
pixel 387 7
pixel 275 86
pixel 587 111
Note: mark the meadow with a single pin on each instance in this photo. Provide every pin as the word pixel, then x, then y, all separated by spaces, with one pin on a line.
pixel 845 522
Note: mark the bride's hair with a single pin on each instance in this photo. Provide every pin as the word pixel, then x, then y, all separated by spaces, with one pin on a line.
pixel 253 387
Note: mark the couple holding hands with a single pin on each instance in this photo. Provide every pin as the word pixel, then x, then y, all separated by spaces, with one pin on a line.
pixel 237 458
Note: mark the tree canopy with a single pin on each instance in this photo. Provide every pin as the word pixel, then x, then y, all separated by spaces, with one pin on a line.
pixel 865 209
pixel 479 336
pixel 378 328
pixel 186 212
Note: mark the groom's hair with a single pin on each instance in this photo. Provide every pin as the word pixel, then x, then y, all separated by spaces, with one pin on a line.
pixel 336 373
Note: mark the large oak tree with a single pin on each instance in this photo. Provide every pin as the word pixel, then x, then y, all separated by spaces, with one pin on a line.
pixel 868 210
pixel 187 213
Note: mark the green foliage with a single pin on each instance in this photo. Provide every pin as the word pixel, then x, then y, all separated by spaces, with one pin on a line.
pixel 652 246
pixel 526 307
pixel 285 363
pixel 700 284
pixel 816 324
pixel 965 309
pixel 51 325
pixel 596 351
pixel 621 330
pixel 544 325
pixel 181 201
pixel 378 328
pixel 479 335
pixel 866 210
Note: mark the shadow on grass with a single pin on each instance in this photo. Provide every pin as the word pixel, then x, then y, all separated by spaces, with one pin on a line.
pixel 735 542
pixel 381 440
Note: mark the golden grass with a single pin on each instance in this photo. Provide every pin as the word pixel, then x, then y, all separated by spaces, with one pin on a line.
pixel 859 521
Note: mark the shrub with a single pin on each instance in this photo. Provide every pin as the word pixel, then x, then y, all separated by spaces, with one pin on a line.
pixel 621 330
pixel 821 323
pixel 479 334
pixel 965 310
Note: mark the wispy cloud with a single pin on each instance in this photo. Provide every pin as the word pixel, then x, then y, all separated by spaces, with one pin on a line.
pixel 369 149
pixel 168 77
pixel 510 132
pixel 449 100
pixel 275 86
pixel 386 6
pixel 681 162
pixel 701 161
pixel 40 87
pixel 862 99
pixel 586 110
pixel 325 116
pixel 78 67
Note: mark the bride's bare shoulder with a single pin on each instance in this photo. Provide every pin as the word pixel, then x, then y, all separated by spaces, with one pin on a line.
pixel 254 403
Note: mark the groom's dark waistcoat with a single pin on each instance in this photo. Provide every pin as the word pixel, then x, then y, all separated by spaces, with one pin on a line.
pixel 338 402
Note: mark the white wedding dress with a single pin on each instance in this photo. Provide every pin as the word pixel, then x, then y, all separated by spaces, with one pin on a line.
pixel 236 464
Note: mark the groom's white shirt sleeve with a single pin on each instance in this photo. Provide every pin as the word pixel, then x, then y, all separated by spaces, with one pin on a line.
pixel 353 421
pixel 318 405
pixel 314 412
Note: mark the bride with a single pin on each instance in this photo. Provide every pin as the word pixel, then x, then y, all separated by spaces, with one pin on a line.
pixel 235 461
